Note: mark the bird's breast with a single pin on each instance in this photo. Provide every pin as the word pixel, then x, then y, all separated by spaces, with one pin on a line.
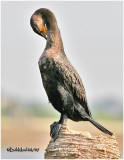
pixel 44 64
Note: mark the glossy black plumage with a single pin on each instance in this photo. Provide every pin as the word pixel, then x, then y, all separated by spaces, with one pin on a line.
pixel 61 81
pixel 63 85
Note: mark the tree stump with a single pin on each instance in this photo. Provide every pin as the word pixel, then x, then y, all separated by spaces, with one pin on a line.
pixel 82 145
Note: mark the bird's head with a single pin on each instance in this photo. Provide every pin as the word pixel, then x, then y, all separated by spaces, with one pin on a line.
pixel 38 25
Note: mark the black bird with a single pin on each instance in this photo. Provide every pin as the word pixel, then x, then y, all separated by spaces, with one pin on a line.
pixel 61 81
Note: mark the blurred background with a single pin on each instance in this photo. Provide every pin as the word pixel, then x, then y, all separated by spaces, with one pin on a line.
pixel 92 36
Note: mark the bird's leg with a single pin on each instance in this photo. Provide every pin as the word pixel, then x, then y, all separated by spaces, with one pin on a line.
pixel 55 127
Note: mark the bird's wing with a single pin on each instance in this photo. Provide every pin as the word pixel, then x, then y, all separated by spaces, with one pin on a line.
pixel 71 81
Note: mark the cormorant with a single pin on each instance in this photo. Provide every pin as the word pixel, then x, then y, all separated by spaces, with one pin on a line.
pixel 61 81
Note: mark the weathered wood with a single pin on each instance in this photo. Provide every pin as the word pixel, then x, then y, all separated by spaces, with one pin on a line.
pixel 82 145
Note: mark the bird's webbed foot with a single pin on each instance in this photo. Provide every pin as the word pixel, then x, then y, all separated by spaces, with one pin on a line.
pixel 54 130
pixel 55 127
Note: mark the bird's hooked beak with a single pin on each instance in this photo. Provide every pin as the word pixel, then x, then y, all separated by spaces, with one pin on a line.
pixel 43 32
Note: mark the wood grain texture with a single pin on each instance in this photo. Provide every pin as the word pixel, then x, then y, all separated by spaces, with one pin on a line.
pixel 82 145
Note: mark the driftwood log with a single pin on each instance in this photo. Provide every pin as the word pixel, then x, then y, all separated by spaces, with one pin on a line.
pixel 82 145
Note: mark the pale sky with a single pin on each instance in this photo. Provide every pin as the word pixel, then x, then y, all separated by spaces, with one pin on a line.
pixel 92 37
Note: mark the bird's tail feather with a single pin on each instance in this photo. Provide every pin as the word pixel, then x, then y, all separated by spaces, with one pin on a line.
pixel 99 126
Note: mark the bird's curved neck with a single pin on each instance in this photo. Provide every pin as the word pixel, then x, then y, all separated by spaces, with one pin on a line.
pixel 54 40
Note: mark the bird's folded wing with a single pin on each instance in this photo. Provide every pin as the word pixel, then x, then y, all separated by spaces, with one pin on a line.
pixel 71 81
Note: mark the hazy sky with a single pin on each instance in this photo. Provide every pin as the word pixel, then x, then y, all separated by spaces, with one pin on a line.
pixel 92 37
